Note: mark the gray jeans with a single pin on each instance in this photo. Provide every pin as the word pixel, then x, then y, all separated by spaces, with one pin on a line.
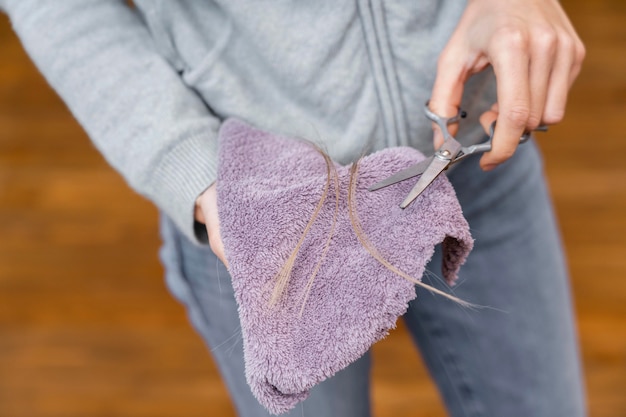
pixel 517 358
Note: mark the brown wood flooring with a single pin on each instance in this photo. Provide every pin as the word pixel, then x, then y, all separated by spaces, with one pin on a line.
pixel 87 327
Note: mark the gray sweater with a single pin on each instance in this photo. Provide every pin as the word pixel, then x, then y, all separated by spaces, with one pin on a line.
pixel 151 84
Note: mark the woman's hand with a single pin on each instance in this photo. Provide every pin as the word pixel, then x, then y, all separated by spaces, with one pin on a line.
pixel 206 212
pixel 536 56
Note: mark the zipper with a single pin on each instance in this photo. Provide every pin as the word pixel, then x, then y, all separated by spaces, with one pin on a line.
pixel 383 71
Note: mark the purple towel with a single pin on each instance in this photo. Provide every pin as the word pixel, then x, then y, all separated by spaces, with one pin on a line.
pixel 268 188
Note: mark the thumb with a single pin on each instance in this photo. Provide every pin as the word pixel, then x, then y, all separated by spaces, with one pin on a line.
pixel 445 100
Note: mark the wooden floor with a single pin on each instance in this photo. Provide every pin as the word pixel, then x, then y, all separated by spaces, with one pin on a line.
pixel 88 329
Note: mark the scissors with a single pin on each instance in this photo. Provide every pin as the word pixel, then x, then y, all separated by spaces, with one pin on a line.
pixel 448 154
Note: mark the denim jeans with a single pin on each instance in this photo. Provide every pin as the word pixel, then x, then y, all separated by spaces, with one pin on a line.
pixel 517 356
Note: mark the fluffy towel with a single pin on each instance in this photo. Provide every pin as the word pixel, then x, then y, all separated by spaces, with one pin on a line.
pixel 268 188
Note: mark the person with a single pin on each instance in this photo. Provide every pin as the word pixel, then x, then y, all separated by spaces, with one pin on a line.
pixel 152 83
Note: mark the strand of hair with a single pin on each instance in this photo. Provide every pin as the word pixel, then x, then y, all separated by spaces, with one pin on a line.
pixel 361 236
pixel 283 276
pixel 330 234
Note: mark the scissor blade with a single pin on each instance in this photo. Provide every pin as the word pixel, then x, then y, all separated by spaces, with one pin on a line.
pixel 436 167
pixel 405 174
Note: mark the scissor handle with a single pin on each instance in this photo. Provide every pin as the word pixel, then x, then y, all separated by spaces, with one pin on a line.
pixel 443 122
pixel 486 145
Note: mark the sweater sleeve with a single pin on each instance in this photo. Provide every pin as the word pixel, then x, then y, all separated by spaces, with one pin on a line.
pixel 101 59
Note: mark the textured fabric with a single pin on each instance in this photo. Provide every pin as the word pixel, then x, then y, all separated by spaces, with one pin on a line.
pixel 268 187
pixel 151 84
pixel 516 358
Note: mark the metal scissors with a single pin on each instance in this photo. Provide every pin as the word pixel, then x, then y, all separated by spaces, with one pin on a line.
pixel 448 154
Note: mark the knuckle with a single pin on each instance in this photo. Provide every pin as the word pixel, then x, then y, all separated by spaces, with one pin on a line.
pixel 518 116
pixel 566 43
pixel 512 37
pixel 545 39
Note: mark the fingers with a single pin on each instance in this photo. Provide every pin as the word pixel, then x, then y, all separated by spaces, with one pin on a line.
pixel 532 86
pixel 208 203
pixel 197 214
pixel 568 61
pixel 511 64
pixel 447 92
pixel 536 56
pixel 543 46
pixel 488 117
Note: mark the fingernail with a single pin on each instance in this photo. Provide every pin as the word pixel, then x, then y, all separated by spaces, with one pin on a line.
pixel 489 167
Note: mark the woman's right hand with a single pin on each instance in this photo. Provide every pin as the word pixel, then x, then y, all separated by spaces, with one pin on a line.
pixel 206 212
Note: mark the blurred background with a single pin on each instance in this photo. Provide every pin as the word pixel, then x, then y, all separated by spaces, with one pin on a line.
pixel 87 327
